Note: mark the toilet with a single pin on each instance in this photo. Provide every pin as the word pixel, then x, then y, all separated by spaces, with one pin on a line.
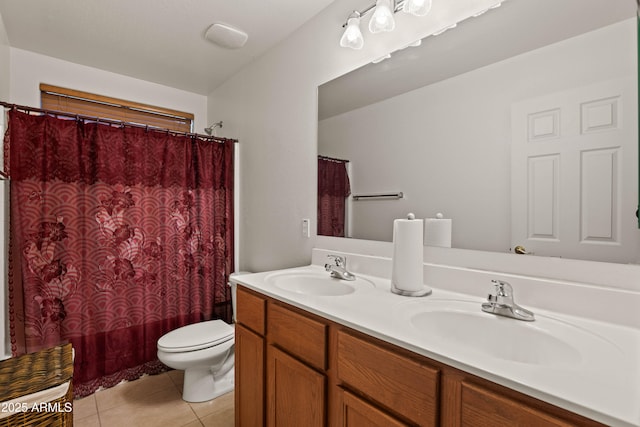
pixel 205 352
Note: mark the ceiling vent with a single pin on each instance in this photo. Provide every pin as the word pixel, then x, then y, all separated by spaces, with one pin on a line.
pixel 226 36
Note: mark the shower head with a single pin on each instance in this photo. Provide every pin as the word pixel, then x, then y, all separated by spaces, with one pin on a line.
pixel 209 130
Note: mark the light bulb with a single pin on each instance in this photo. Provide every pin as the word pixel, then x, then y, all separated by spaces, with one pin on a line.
pixel 417 7
pixel 382 19
pixel 352 36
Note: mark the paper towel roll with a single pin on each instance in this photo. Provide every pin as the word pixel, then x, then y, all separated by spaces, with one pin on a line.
pixel 407 262
pixel 437 232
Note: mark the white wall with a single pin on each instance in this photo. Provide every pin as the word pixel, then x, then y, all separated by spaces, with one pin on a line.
pixel 29 69
pixel 271 108
pixel 4 62
pixel 4 95
pixel 447 145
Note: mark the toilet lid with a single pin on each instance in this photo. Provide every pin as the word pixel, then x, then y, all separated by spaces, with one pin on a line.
pixel 196 336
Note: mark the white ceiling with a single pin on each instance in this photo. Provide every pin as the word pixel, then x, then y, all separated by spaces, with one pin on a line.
pixel 516 27
pixel 160 41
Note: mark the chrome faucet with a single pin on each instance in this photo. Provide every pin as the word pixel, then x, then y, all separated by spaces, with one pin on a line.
pixel 500 301
pixel 338 268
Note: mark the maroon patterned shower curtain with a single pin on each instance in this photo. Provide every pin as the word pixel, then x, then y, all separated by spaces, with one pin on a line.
pixel 118 235
pixel 333 189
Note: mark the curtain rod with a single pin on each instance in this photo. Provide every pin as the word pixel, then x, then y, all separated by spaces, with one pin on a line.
pixel 333 159
pixel 112 122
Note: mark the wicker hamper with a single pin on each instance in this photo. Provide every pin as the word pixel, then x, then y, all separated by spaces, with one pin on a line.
pixel 32 373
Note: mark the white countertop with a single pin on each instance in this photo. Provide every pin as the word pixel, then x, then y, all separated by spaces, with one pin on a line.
pixel 603 383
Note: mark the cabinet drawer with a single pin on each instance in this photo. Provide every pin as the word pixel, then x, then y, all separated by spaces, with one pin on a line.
pixel 250 310
pixel 402 384
pixel 480 406
pixel 300 335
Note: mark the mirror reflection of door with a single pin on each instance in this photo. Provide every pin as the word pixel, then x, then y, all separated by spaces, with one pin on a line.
pixel 333 191
pixel 572 159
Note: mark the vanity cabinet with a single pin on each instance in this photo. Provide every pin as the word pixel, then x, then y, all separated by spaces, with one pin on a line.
pixel 294 368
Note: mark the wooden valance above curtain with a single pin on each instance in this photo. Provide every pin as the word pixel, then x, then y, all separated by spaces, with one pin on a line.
pixel 77 102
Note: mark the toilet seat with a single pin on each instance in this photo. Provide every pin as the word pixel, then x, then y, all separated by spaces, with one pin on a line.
pixel 195 337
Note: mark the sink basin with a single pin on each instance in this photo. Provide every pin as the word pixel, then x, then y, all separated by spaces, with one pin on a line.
pixel 462 324
pixel 318 283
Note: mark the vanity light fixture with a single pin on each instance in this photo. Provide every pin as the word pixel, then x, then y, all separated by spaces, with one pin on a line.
pixel 381 20
pixel 352 36
pixel 417 7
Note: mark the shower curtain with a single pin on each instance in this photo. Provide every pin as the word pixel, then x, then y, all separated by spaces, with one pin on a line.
pixel 118 234
pixel 333 189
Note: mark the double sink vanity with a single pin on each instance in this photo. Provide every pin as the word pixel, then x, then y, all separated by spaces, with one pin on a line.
pixel 314 350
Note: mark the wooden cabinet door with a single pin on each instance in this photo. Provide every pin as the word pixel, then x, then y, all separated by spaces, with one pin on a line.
pixel 295 392
pixel 249 386
pixel 356 412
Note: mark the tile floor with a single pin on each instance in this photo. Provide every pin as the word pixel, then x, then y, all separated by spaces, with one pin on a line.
pixel 153 400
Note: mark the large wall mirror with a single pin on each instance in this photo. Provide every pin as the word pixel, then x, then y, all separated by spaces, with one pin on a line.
pixel 521 126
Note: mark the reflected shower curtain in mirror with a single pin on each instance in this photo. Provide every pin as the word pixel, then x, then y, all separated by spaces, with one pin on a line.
pixel 333 189
pixel 118 235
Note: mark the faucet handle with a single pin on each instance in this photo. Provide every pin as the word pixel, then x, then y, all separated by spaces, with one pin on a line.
pixel 502 288
pixel 338 260
pixel 500 301
pixel 502 293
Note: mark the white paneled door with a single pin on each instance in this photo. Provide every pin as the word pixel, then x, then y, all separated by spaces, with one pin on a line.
pixel 574 166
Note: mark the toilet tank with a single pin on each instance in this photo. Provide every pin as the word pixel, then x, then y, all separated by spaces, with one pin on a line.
pixel 233 285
